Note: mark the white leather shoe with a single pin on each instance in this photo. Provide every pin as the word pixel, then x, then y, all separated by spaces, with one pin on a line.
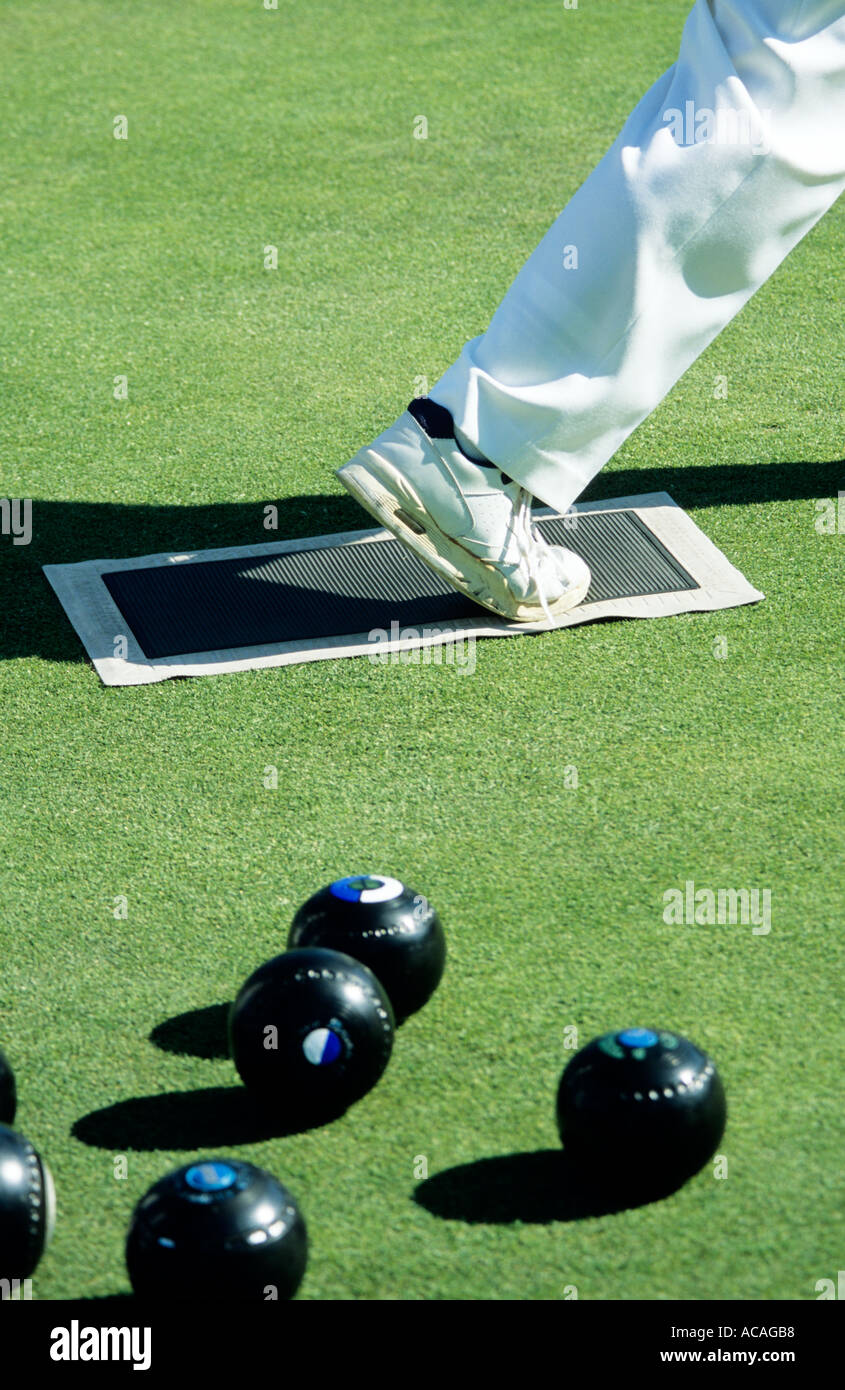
pixel 468 521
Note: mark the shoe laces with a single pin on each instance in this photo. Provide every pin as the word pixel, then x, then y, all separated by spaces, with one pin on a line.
pixel 530 546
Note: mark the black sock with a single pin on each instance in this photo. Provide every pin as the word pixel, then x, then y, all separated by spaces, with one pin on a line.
pixel 437 422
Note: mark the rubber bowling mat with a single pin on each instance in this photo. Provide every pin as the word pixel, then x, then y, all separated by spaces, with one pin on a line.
pixel 361 593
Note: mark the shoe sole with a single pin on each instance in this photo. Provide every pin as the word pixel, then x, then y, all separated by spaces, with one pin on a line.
pixel 406 518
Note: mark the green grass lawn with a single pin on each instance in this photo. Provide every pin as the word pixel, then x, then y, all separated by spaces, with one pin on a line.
pixel 145 258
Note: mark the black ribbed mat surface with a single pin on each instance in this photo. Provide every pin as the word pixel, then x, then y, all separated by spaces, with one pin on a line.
pixel 343 590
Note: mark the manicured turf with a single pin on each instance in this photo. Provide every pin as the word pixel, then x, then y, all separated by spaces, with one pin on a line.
pixel 697 758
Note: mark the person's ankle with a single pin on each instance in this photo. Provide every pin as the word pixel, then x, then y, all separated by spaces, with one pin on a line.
pixel 467 447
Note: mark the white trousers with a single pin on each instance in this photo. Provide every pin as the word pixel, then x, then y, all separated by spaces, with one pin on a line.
pixel 725 164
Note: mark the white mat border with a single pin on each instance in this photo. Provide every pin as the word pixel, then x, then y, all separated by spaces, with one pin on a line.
pixel 97 619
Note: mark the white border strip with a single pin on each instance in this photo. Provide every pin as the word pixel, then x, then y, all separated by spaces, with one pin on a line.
pixel 101 625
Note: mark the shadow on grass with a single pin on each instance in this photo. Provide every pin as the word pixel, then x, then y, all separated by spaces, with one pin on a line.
pixel 32 622
pixel 197 1033
pixel 723 485
pixel 534 1188
pixel 108 1300
pixel 212 1118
